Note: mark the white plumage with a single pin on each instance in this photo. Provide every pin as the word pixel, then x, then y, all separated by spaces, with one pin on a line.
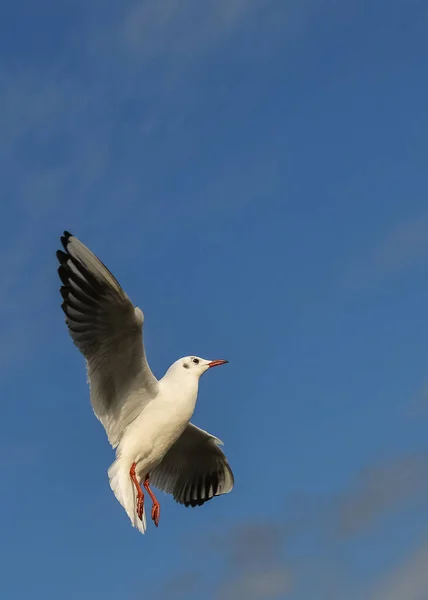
pixel 146 420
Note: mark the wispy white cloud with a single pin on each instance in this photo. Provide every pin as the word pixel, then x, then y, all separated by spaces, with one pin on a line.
pixel 183 26
pixel 180 585
pixel 89 136
pixel 250 565
pixel 379 490
pixel 259 584
pixel 63 123
pixel 255 564
pixel 402 247
pixel 257 560
pixel 407 580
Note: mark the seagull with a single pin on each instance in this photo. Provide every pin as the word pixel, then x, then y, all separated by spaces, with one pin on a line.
pixel 146 420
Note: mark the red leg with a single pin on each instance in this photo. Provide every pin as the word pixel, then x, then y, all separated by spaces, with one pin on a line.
pixel 156 505
pixel 140 495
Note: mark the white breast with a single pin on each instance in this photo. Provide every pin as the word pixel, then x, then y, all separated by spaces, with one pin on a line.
pixel 159 425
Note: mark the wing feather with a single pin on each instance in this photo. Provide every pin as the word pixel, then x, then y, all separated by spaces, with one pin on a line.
pixel 108 330
pixel 195 469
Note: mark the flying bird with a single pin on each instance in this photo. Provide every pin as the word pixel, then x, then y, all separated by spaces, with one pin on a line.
pixel 146 420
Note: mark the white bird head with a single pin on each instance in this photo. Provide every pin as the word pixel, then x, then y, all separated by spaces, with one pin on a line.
pixel 195 366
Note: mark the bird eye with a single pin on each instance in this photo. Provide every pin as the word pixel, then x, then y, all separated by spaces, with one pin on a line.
pixel 195 361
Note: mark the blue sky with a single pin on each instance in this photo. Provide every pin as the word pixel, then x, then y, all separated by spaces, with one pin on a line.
pixel 254 173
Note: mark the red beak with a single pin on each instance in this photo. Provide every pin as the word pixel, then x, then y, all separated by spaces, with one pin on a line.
pixel 217 363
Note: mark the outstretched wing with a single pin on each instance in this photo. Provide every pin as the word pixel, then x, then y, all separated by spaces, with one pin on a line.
pixel 194 469
pixel 108 330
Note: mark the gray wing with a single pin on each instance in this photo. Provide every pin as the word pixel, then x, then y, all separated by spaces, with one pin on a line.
pixel 108 330
pixel 194 469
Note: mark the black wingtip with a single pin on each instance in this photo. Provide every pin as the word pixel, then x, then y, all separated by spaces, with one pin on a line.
pixel 64 291
pixel 198 502
pixel 65 239
pixel 61 256
pixel 195 503
pixel 63 273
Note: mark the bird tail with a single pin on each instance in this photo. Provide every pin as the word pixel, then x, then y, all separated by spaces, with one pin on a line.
pixel 124 490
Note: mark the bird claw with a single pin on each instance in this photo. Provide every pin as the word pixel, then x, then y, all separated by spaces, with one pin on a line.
pixel 140 507
pixel 156 514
